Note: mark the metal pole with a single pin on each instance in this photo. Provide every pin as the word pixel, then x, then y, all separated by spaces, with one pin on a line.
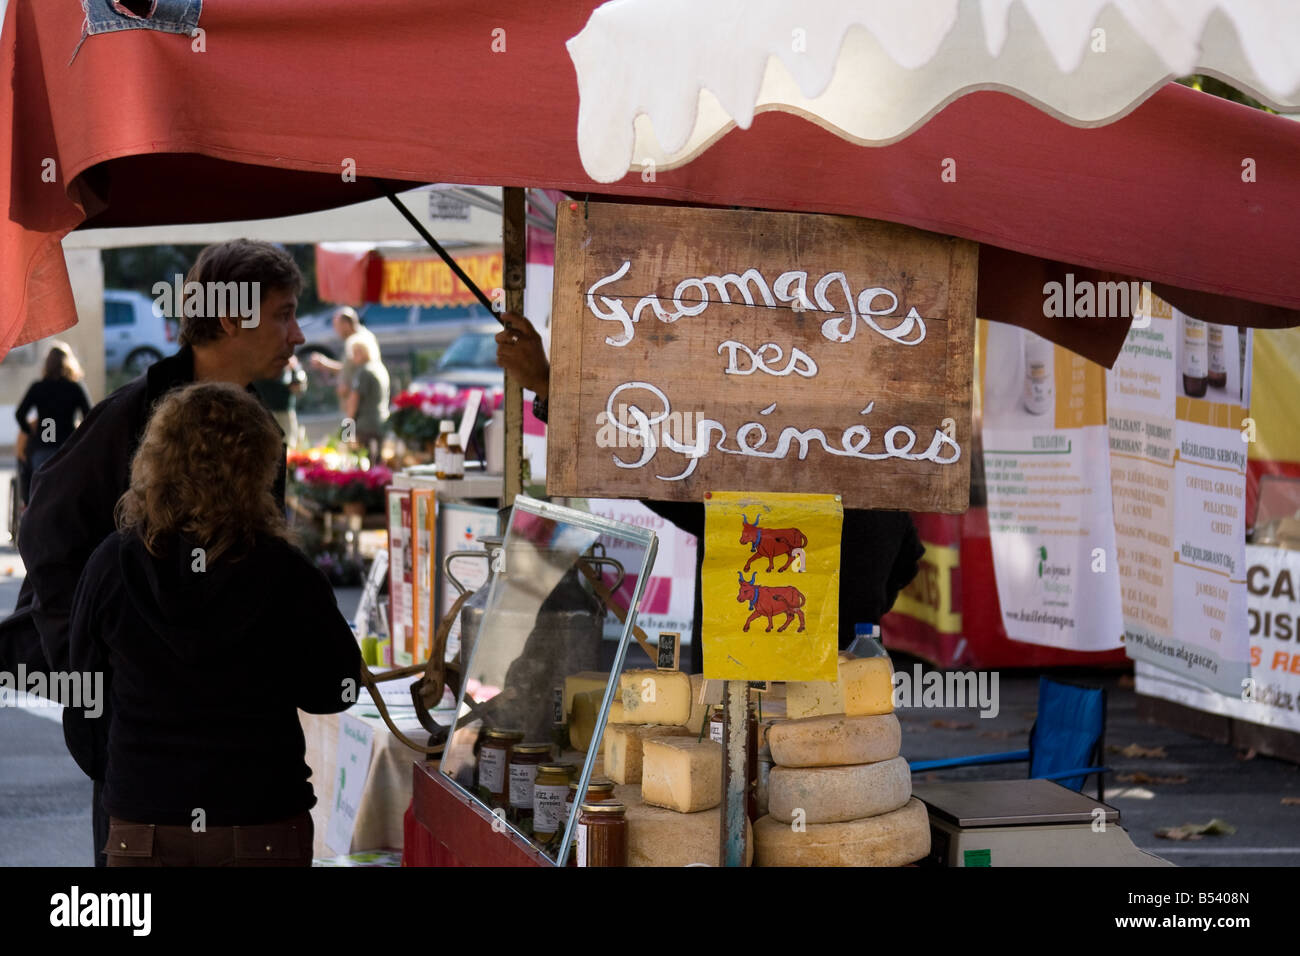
pixel 513 235
pixel 735 772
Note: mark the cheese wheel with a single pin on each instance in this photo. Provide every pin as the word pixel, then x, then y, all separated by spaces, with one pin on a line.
pixel 891 839
pixel 654 697
pixel 659 837
pixel 834 794
pixel 834 741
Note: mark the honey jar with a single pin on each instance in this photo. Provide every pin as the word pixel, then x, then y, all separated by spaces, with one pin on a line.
pixel 494 763
pixel 550 787
pixel 602 834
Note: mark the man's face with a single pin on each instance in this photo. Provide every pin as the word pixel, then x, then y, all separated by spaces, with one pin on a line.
pixel 342 326
pixel 267 347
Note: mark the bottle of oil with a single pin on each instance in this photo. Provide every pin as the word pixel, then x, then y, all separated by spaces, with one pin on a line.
pixel 441 449
pixel 1195 357
pixel 1218 365
pixel 455 468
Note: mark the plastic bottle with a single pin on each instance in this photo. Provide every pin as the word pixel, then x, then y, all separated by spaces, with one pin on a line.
pixel 866 641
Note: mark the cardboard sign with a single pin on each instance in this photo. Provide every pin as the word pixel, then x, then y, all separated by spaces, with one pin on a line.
pixel 699 348
pixel 771 586
pixel 356 738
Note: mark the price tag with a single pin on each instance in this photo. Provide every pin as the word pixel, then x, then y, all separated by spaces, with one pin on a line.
pixel 670 651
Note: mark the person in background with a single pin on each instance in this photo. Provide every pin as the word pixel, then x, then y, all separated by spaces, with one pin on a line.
pixel 367 401
pixel 881 551
pixel 280 395
pixel 56 399
pixel 173 610
pixel 73 497
pixel 348 327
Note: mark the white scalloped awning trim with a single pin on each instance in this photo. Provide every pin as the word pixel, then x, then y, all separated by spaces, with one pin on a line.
pixel 659 80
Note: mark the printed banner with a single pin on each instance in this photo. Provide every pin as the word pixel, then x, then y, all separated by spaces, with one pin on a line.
pixel 771 580
pixel 1049 495
pixel 1179 476
pixel 1270 695
pixel 668 603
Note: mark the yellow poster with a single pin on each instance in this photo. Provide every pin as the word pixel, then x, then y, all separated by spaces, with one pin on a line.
pixel 771 586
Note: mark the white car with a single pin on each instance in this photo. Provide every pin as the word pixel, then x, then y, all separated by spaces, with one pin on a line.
pixel 136 334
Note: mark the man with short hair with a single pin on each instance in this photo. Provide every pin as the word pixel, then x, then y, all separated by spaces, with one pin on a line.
pixel 74 495
pixel 348 327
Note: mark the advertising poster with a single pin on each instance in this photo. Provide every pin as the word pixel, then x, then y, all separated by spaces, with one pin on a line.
pixel 1270 695
pixel 459 528
pixel 1049 493
pixel 771 581
pixel 668 603
pixel 1179 475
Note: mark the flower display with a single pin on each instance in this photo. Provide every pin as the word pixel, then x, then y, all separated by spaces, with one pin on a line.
pixel 417 412
pixel 332 485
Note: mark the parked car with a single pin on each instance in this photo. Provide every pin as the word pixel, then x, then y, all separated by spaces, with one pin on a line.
pixel 469 362
pixel 136 334
pixel 399 329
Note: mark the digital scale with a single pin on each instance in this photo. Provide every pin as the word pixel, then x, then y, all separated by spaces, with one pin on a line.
pixel 1024 823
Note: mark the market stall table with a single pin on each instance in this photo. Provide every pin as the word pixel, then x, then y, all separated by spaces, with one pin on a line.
pixel 386 793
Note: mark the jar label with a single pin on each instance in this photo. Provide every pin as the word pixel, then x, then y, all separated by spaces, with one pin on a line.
pixel 522 776
pixel 582 844
pixel 549 807
pixel 491 769
pixel 715 731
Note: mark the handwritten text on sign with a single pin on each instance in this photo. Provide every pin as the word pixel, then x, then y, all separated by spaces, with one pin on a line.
pixel 696 349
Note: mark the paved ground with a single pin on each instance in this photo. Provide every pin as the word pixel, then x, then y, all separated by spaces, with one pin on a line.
pixel 45 800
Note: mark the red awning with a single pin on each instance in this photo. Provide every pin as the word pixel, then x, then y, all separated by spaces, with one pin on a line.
pixel 288 96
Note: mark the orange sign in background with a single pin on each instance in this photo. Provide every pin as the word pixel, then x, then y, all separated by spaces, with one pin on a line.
pixel 430 282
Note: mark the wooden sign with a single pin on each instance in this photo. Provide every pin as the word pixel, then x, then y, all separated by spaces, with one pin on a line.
pixel 695 349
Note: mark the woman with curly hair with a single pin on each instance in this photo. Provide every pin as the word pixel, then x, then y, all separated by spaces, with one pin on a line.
pixel 200 584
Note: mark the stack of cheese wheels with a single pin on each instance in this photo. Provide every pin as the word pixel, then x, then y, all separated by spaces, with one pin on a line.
pixel 839 794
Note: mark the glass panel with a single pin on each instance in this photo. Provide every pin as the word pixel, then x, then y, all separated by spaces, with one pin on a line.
pixel 542 624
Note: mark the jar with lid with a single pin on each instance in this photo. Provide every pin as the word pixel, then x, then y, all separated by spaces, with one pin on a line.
pixel 602 834
pixel 494 763
pixel 524 760
pixel 716 724
pixel 550 787
pixel 597 790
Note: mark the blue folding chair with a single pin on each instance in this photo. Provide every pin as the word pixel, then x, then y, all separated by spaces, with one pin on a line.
pixel 1066 743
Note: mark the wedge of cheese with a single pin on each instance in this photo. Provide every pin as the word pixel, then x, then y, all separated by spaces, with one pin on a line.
pixel 581 683
pixel 654 697
pixel 582 720
pixel 836 794
pixel 834 741
pixel 659 837
pixel 891 839
pixel 865 686
pixel 699 711
pixel 681 773
pixel 623 748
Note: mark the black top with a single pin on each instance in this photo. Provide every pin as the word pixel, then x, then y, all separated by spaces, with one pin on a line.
pixel 54 398
pixel 198 721
pixel 69 513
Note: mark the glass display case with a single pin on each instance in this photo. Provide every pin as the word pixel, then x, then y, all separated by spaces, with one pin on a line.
pixel 540 639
